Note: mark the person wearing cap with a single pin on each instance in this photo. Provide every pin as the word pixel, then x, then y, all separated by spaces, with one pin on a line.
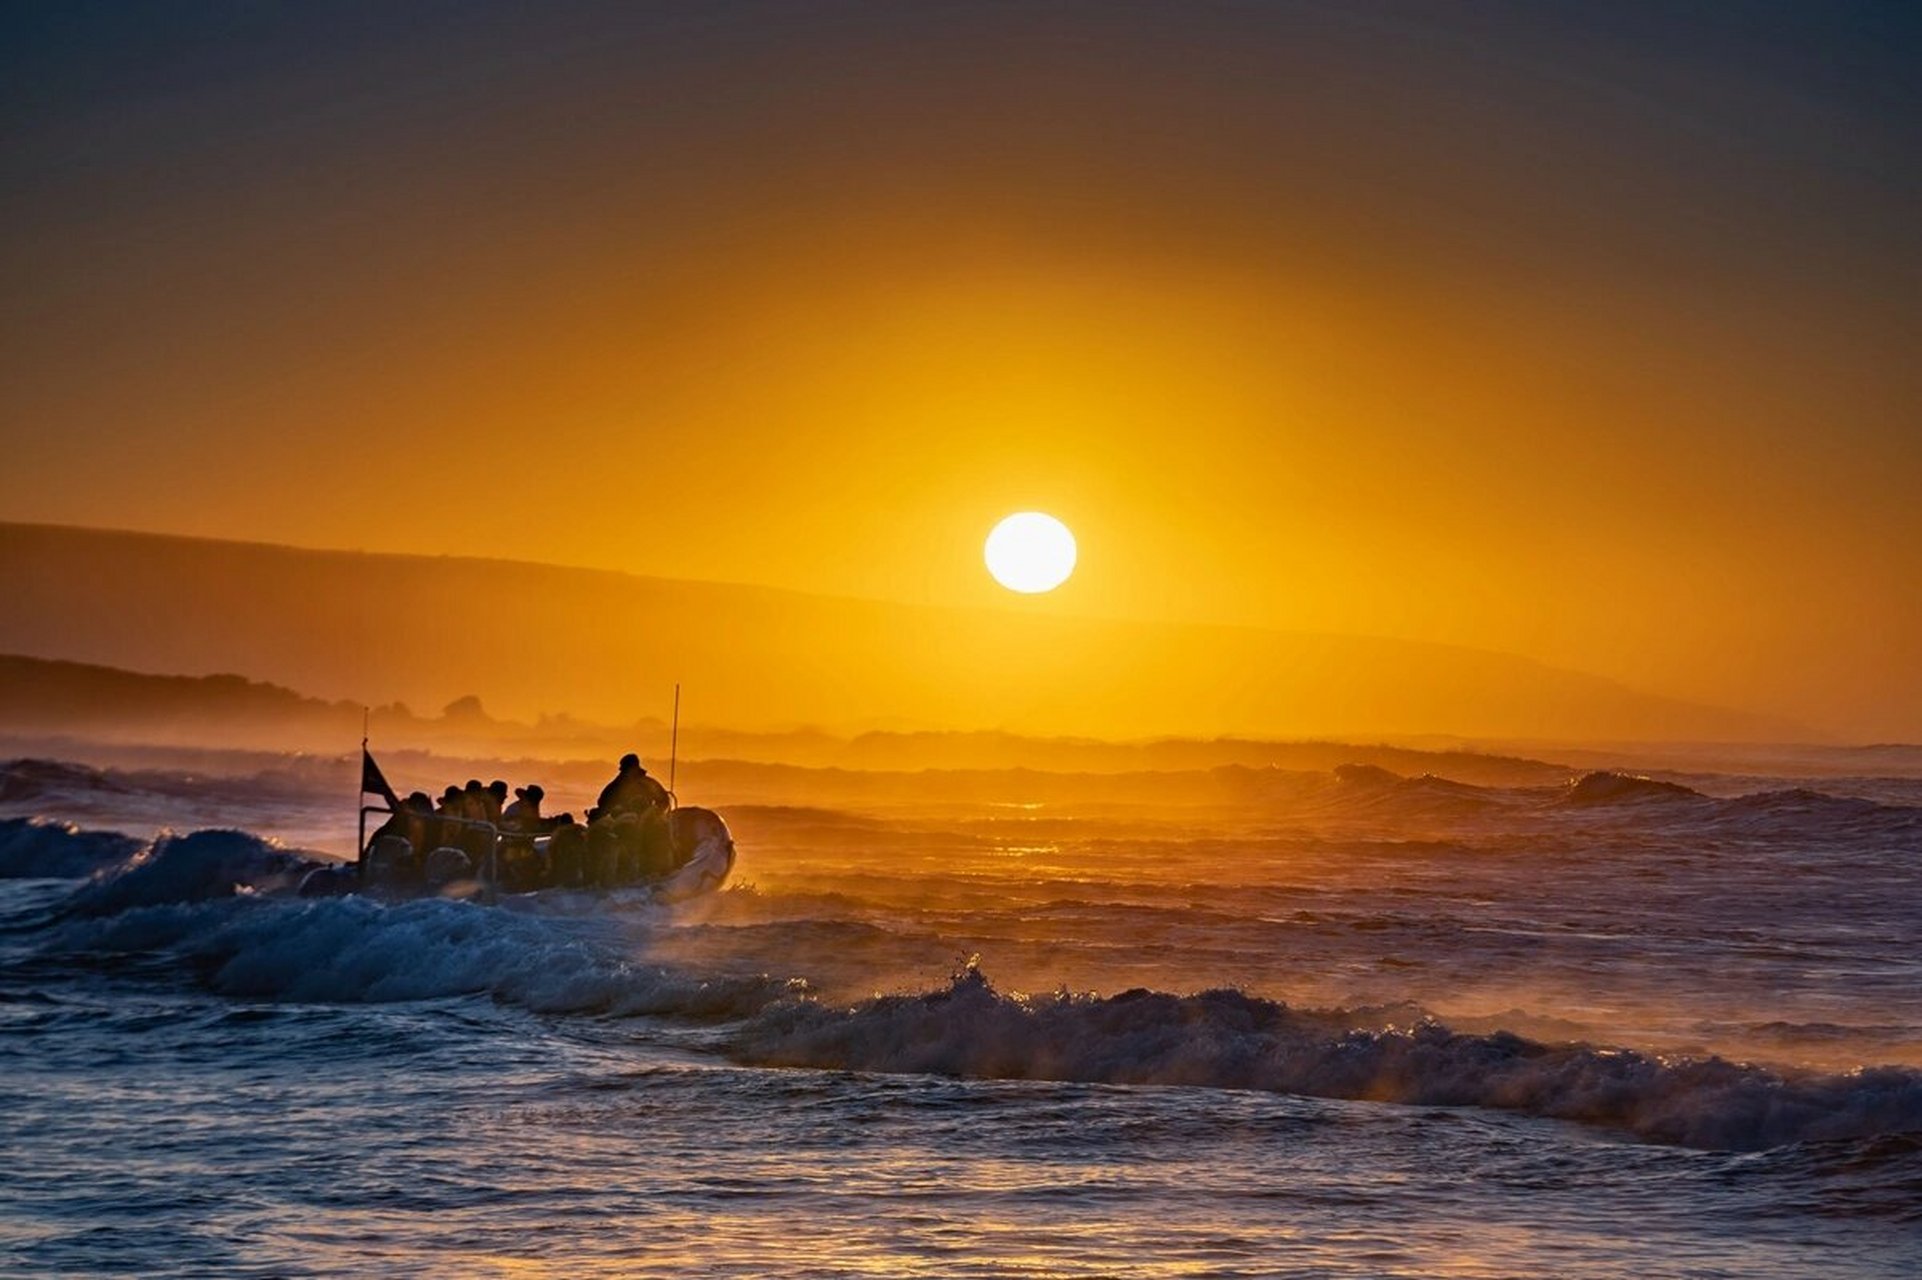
pixel 521 866
pixel 524 814
pixel 409 820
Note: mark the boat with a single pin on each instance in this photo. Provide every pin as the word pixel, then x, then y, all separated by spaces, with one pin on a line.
pixel 475 858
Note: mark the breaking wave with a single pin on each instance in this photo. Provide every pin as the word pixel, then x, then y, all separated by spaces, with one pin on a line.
pixel 193 868
pixel 1608 788
pixel 37 848
pixel 1227 1039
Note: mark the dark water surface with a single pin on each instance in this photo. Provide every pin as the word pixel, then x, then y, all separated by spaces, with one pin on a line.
pixel 1370 1030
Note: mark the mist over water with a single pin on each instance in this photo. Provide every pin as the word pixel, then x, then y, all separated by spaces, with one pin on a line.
pixel 1237 1022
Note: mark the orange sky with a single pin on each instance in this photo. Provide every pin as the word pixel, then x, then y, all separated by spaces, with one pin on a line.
pixel 1589 339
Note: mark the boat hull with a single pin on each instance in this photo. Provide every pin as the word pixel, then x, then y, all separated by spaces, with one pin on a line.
pixel 703 859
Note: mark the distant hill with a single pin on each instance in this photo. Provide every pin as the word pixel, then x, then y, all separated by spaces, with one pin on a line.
pixel 608 647
pixel 76 697
pixel 59 699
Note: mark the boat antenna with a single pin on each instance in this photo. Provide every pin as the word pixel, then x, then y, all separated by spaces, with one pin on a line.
pixel 674 739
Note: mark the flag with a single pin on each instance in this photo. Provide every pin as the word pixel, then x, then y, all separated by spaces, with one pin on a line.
pixel 373 782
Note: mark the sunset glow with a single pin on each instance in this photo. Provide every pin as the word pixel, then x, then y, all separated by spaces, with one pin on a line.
pixel 1124 638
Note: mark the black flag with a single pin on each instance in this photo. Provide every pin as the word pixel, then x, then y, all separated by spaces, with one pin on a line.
pixel 373 782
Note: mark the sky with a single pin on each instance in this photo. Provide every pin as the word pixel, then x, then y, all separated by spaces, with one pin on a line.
pixel 1582 332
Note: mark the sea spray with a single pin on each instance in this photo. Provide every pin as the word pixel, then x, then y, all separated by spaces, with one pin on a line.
pixel 355 950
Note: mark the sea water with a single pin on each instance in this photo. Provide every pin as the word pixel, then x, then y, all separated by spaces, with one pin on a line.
pixel 1355 1026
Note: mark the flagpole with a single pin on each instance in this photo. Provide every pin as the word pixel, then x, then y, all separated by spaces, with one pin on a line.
pixel 360 808
pixel 674 740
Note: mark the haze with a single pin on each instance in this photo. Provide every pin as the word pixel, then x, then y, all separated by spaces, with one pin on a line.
pixel 1579 334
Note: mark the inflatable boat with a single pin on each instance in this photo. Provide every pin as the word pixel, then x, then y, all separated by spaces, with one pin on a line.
pixel 478 860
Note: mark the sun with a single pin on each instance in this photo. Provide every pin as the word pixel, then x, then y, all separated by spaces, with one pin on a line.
pixel 1030 552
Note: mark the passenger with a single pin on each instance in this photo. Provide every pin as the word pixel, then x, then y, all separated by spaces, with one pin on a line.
pixel 418 811
pixel 524 815
pixel 445 827
pixel 567 853
pixel 519 824
pixel 632 791
pixel 397 824
pixel 632 835
pixel 657 846
pixel 478 844
pixel 603 850
pixel 494 798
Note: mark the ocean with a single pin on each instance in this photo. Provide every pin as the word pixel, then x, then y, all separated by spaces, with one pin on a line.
pixel 1239 1022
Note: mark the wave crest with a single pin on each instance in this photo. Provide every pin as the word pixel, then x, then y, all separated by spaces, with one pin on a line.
pixel 192 868
pixel 1228 1039
pixel 40 848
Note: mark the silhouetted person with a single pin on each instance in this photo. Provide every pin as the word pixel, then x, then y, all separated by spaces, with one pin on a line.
pixel 520 822
pixel 400 822
pixel 630 830
pixel 567 853
pixel 477 805
pixel 444 828
pixel 603 851
pixel 632 791
pixel 524 814
pixel 657 846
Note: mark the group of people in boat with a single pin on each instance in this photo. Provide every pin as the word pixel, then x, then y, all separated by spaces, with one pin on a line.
pixel 475 832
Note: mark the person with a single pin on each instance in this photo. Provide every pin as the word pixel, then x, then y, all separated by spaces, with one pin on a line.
pixel 523 816
pixel 496 800
pixel 421 828
pixel 632 791
pixel 657 846
pixel 631 833
pixel 603 849
pixel 404 819
pixel 444 827
pixel 477 806
pixel 567 853
pixel 520 822
pixel 410 821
